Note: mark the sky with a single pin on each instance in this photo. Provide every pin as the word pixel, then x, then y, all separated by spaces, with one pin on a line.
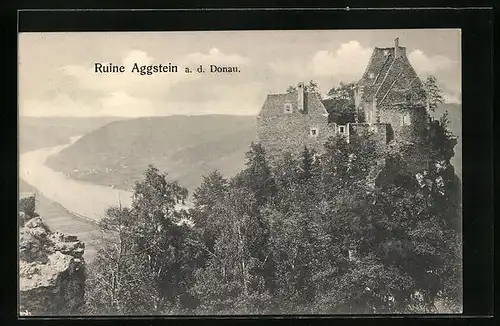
pixel 56 70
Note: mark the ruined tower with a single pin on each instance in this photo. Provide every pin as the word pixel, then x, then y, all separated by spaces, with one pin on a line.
pixel 391 92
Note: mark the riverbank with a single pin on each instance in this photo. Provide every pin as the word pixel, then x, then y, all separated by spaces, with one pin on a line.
pixel 80 198
pixel 57 218
pixel 70 206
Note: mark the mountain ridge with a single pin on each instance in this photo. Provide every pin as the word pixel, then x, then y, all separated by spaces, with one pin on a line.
pixel 185 147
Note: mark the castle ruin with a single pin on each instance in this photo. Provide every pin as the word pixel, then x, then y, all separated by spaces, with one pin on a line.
pixel 389 98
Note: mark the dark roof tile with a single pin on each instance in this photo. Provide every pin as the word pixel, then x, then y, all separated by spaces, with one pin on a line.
pixel 386 75
pixel 274 104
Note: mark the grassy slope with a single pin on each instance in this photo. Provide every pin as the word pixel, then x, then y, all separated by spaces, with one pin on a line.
pixel 186 147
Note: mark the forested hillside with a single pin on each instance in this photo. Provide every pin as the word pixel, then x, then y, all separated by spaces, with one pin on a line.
pixel 186 147
pixel 306 236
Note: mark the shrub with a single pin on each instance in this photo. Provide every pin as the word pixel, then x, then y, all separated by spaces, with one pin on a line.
pixel 27 205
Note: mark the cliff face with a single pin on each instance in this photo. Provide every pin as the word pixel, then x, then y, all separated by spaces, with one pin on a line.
pixel 51 269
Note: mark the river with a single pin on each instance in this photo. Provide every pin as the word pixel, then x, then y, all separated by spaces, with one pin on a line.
pixel 87 201
pixel 81 198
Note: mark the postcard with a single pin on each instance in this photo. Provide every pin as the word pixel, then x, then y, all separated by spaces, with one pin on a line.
pixel 272 172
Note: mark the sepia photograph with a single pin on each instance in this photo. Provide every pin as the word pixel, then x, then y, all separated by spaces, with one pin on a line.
pixel 271 172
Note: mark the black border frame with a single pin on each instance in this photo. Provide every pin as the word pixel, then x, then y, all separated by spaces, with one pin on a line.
pixel 477 83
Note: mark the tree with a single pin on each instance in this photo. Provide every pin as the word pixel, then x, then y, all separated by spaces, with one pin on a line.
pixel 307 234
pixel 213 187
pixel 229 282
pixel 206 198
pixel 312 87
pixel 102 288
pixel 306 165
pixel 340 103
pixel 147 266
pixel 117 283
pixel 335 165
pixel 257 175
pixel 259 179
pixel 167 254
pixel 286 174
pixel 433 93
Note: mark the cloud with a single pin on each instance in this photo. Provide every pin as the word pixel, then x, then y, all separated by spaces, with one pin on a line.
pixel 130 94
pixel 122 104
pixel 147 85
pixel 114 104
pixel 425 64
pixel 61 105
pixel 137 56
pixel 223 101
pixel 452 97
pixel 349 60
pixel 347 63
pixel 217 106
pixel 129 82
pixel 215 56
pixel 447 72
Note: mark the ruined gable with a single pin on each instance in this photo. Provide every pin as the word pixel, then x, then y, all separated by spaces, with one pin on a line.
pixel 289 122
pixel 389 79
pixel 391 92
pixel 402 86
pixel 287 104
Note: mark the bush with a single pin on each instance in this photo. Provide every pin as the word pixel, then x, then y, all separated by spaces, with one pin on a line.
pixel 27 205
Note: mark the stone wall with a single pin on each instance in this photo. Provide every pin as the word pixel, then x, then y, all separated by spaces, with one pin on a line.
pixel 395 119
pixel 414 130
pixel 380 133
pixel 51 269
pixel 281 134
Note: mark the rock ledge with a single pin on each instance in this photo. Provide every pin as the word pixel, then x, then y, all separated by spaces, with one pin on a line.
pixel 51 269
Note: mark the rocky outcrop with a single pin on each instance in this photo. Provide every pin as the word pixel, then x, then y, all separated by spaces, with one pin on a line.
pixel 51 269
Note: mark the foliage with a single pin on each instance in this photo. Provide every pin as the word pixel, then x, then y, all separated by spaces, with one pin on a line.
pixel 434 93
pixel 146 263
pixel 305 234
pixel 27 205
pixel 312 87
pixel 340 104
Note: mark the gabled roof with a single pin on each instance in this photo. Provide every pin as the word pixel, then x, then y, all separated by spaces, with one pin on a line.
pixel 388 79
pixel 275 103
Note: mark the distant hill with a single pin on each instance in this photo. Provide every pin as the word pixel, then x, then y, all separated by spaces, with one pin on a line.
pixel 40 132
pixel 186 147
